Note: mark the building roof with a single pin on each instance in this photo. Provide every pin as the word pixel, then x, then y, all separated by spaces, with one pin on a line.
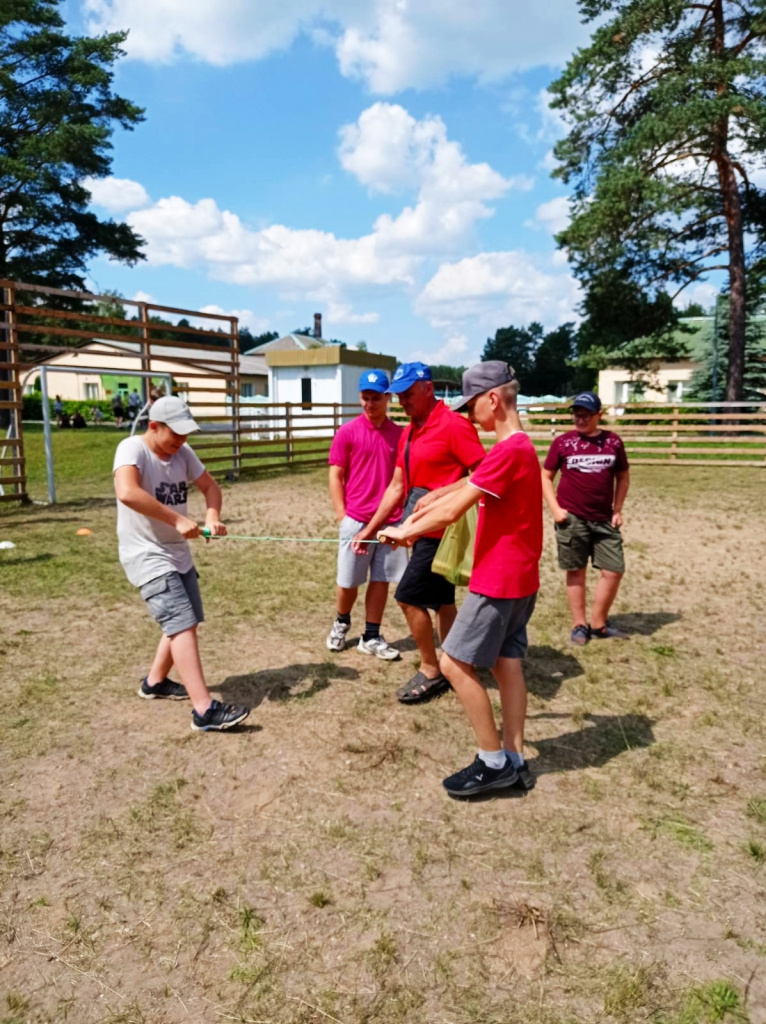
pixel 288 342
pixel 330 355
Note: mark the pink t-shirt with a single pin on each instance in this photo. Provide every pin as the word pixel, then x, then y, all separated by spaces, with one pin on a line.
pixel 509 534
pixel 367 455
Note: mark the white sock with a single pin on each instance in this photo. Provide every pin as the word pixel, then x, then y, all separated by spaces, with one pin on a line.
pixel 517 760
pixel 493 758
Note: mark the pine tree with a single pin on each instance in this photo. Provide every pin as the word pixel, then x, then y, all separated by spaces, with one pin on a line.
pixel 667 120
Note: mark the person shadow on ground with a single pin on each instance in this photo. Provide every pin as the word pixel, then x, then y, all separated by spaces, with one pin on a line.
pixel 290 683
pixel 643 623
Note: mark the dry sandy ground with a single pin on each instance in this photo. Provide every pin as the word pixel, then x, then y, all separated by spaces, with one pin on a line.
pixel 308 866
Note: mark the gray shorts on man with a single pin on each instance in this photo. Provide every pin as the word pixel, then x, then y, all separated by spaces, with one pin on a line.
pixel 382 563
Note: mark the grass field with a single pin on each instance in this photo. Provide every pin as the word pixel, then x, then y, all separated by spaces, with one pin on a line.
pixel 309 867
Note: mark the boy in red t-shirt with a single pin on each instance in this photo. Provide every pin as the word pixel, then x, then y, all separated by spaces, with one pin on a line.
pixel 490 630
pixel 588 514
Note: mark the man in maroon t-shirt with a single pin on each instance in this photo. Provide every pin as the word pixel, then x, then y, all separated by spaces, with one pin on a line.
pixel 587 510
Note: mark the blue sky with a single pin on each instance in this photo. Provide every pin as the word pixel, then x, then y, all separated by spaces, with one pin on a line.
pixel 383 162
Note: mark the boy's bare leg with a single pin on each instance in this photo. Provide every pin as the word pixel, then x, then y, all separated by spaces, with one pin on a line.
pixel 474 699
pixel 509 676
pixel 576 596
pixel 606 591
pixel 345 598
pixel 162 664
pixel 445 617
pixel 184 650
pixel 375 601
pixel 422 629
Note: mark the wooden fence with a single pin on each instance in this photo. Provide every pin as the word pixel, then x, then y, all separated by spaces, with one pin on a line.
pixel 52 327
pixel 720 434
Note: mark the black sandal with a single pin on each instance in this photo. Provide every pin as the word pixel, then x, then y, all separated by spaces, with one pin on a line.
pixel 420 689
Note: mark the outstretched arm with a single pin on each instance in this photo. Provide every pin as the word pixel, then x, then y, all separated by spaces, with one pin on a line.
pixel 440 513
pixel 393 496
pixel 213 501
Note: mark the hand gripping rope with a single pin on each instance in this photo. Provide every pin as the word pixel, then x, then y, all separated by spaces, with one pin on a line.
pixel 296 540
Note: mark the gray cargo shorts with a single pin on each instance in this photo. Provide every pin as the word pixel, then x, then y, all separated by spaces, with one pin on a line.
pixel 174 601
pixel 488 628
pixel 383 563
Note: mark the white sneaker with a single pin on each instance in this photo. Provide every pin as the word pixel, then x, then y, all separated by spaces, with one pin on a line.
pixel 379 648
pixel 336 641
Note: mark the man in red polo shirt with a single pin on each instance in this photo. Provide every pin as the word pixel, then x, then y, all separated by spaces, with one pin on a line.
pixel 436 452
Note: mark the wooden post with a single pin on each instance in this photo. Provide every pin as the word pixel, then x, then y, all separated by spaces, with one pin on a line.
pixel 289 431
pixel 146 358
pixel 236 450
pixel 16 421
pixel 674 436
pixel 336 419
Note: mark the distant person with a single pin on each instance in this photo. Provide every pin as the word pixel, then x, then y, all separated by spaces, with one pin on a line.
pixel 490 630
pixel 436 451
pixel 143 416
pixel 362 461
pixel 64 421
pixel 78 421
pixel 134 404
pixel 118 409
pixel 97 416
pixel 152 474
pixel 58 408
pixel 587 511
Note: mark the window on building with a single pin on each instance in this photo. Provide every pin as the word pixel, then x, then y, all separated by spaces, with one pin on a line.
pixel 675 391
pixel 306 390
pixel 91 392
pixel 248 391
pixel 621 392
pixel 29 389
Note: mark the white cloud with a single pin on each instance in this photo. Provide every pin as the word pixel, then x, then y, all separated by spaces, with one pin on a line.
pixel 342 313
pixel 494 287
pixel 142 296
pixel 389 44
pixel 703 293
pixel 246 317
pixel 452 196
pixel 454 352
pixel 552 216
pixel 117 194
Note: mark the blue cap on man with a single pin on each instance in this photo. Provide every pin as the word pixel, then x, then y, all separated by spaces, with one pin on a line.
pixel 374 380
pixel 408 374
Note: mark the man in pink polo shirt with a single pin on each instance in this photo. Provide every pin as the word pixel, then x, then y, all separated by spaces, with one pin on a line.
pixel 362 460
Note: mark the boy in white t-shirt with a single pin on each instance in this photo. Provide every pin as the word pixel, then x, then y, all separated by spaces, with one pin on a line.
pixel 152 473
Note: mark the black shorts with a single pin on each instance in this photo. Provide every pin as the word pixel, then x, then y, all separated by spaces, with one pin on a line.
pixel 420 586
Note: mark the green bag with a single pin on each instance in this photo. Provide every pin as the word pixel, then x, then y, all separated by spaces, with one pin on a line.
pixel 454 556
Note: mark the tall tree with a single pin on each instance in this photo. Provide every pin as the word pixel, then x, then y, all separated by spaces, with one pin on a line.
pixel 666 111
pixel 552 371
pixel 515 346
pixel 57 116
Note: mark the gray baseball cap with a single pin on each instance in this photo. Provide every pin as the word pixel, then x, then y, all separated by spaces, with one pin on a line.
pixel 174 414
pixel 483 377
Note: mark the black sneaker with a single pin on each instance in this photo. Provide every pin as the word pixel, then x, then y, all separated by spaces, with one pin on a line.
pixel 580 635
pixel 219 716
pixel 167 690
pixel 608 632
pixel 526 779
pixel 479 778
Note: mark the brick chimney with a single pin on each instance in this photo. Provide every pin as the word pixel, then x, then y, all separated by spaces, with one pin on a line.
pixel 317 325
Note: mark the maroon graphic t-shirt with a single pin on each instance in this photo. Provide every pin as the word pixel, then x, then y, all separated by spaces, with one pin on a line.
pixel 588 466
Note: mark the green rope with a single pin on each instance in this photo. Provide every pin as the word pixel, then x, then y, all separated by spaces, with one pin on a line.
pixel 295 540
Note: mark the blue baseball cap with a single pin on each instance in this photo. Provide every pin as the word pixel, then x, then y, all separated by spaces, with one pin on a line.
pixel 587 400
pixel 408 374
pixel 374 380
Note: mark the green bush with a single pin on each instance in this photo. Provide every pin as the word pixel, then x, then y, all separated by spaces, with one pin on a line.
pixel 33 407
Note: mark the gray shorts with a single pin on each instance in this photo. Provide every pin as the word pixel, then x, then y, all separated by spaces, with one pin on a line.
pixel 488 628
pixel 174 601
pixel 383 563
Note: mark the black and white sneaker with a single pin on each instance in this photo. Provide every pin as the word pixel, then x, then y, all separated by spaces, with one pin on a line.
pixel 480 778
pixel 166 690
pixel 219 716
pixel 336 639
